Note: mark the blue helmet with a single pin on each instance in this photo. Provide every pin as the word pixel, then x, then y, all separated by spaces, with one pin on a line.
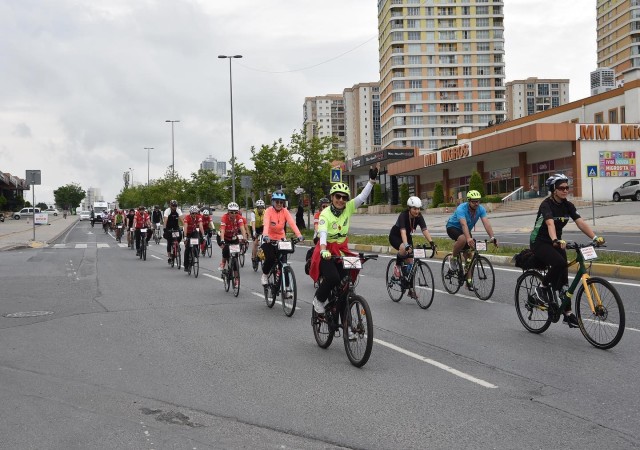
pixel 278 195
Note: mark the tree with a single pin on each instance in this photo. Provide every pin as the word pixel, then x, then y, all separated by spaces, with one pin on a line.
pixel 3 201
pixel 69 196
pixel 204 187
pixel 42 206
pixel 404 194
pixel 271 164
pixel 377 194
pixel 476 183
pixel 438 195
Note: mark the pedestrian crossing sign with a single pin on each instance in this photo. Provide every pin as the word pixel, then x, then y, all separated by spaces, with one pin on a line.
pixel 336 175
pixel 592 171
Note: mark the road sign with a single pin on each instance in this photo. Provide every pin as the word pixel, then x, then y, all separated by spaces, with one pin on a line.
pixel 336 175
pixel 33 177
pixel 592 171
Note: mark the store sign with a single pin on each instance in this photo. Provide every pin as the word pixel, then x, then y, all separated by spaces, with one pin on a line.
pixel 608 132
pixel 500 174
pixel 617 164
pixel 430 159
pixel 457 152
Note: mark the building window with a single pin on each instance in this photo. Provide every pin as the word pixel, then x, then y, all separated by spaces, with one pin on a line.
pixel 623 118
pixel 598 118
pixel 613 115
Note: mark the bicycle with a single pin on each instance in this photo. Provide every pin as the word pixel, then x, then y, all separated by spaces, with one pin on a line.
pixel 119 233
pixel 157 235
pixel 282 280
pixel 343 303
pixel 105 226
pixel 419 272
pixel 258 260
pixel 243 250
pixel 478 268
pixel 231 273
pixel 176 252
pixel 132 238
pixel 143 244
pixel 206 247
pixel 194 258
pixel 598 306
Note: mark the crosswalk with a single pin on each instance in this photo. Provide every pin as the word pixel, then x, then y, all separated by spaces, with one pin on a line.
pixel 79 245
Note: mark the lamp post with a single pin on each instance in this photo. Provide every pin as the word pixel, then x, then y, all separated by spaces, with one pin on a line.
pixel 131 170
pixel 147 149
pixel 233 157
pixel 173 161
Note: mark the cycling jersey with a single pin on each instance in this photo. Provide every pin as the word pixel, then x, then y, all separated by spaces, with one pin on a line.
pixel 172 217
pixel 141 219
pixel 274 222
pixel 191 223
pixel 206 221
pixel 407 223
pixel 119 218
pixel 232 225
pixel 464 212
pixel 157 216
pixel 130 218
pixel 559 212
pixel 257 217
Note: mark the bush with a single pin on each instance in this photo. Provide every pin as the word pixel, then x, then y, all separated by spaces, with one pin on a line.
pixel 377 194
pixel 476 183
pixel 399 209
pixel 492 199
pixel 404 194
pixel 438 195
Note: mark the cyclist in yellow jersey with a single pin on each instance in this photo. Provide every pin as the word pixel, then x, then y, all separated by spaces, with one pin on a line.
pixel 256 218
pixel 333 229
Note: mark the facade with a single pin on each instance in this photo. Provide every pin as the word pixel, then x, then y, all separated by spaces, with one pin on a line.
pixel 210 163
pixel 618 28
pixel 362 119
pixel 533 95
pixel 597 138
pixel 324 116
pixel 93 195
pixel 12 189
pixel 602 80
pixel 441 68
pixel 221 169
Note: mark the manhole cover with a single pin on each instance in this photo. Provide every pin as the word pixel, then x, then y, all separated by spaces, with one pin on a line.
pixel 18 315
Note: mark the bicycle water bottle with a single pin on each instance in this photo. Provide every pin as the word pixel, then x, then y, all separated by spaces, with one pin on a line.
pixel 407 268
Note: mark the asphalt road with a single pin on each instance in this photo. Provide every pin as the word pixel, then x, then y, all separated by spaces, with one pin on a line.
pixel 135 354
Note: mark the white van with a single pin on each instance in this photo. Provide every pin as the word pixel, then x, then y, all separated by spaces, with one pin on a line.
pixel 25 212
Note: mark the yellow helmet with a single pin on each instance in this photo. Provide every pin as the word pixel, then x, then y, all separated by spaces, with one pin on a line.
pixel 340 187
pixel 473 195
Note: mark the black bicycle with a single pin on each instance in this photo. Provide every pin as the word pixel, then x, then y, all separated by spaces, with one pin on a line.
pixel 176 251
pixel 480 276
pixel 231 273
pixel 417 278
pixel 346 313
pixel 143 244
pixel 194 256
pixel 281 278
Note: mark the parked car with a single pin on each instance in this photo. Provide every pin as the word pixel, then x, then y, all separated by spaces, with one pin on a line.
pixel 53 211
pixel 630 189
pixel 85 215
pixel 25 212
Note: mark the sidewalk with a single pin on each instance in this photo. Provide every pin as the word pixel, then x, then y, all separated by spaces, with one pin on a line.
pixel 19 233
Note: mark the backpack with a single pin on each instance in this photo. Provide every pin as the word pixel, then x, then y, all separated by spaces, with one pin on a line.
pixel 526 260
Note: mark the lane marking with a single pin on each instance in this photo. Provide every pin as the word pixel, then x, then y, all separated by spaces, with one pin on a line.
pixel 211 276
pixel 59 245
pixel 279 302
pixel 81 245
pixel 103 245
pixel 154 256
pixel 437 364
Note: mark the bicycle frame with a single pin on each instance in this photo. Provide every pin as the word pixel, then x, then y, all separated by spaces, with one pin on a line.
pixel 582 276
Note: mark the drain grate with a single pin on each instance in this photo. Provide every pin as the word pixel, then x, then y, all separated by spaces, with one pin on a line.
pixel 19 315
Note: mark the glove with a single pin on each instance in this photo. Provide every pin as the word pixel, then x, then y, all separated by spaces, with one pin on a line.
pixel 300 238
pixel 494 240
pixel 407 246
pixel 254 235
pixel 266 239
pixel 432 244
pixel 373 173
pixel 222 243
pixel 560 242
pixel 598 241
pixel 325 254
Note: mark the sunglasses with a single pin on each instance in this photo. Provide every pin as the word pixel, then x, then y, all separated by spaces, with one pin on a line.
pixel 232 212
pixel 563 188
pixel 474 201
pixel 341 197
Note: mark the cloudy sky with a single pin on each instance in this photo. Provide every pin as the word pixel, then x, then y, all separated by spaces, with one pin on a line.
pixel 86 85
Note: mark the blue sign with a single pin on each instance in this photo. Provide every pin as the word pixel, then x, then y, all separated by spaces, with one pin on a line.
pixel 336 175
pixel 592 171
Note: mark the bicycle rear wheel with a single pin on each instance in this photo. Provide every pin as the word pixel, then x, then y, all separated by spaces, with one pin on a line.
pixel 604 327
pixel 289 291
pixel 269 292
pixel 196 262
pixel 534 317
pixel 358 331
pixel 179 258
pixel 254 264
pixel 450 274
pixel 241 255
pixel 423 284
pixel 321 329
pixel 394 284
pixel 209 249
pixel 484 278
pixel 235 276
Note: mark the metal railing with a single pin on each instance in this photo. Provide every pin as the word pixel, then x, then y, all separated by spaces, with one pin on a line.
pixel 518 194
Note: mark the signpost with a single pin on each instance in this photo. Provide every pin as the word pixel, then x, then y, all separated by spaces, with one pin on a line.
pixel 32 177
pixel 592 172
pixel 336 175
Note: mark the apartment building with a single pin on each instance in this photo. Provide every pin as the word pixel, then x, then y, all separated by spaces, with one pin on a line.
pixel 441 68
pixel 362 119
pixel 533 95
pixel 324 116
pixel 618 35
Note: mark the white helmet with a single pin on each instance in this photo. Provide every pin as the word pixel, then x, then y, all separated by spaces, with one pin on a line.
pixel 205 212
pixel 233 206
pixel 414 202
pixel 259 204
pixel 193 210
pixel 553 180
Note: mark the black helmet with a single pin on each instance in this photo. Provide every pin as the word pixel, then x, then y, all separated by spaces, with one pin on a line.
pixel 173 203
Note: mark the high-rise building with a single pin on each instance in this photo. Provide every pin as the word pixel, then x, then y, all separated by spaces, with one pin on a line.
pixel 362 119
pixel 324 116
pixel 441 68
pixel 221 169
pixel 603 79
pixel 618 27
pixel 526 97
pixel 210 163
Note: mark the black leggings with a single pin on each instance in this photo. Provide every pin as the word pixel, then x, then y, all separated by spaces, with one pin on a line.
pixel 331 276
pixel 556 258
pixel 270 255
pixel 396 241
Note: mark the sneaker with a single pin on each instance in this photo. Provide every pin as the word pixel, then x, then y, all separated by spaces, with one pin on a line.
pixel 571 320
pixel 540 295
pixel 221 267
pixel 264 279
pixel 352 336
pixel 318 306
pixel 169 260
pixel 412 294
pixel 236 283
pixel 288 295
pixel 470 285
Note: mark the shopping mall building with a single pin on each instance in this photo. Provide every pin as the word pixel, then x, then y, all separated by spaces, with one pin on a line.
pixel 596 139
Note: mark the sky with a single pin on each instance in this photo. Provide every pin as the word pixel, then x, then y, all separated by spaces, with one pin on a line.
pixel 86 85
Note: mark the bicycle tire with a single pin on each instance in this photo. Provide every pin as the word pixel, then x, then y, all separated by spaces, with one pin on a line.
pixel 235 276
pixel 209 249
pixel 241 258
pixel 604 328
pixel 288 304
pixel 254 264
pixel 450 277
pixel 269 298
pixel 321 330
pixel 179 257
pixel 423 284
pixel 394 285
pixel 483 278
pixel 534 318
pixel 359 321
pixel 195 264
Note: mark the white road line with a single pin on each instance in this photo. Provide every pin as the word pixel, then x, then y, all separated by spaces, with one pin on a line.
pixel 121 245
pixel 437 364
pixel 59 245
pixel 257 294
pixel 81 245
pixel 103 245
pixel 154 256
pixel 211 276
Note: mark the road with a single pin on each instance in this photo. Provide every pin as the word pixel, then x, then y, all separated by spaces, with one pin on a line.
pixel 134 354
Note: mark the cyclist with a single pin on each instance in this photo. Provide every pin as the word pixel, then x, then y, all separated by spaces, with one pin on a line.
pixel 192 229
pixel 400 235
pixel 547 244
pixel 323 202
pixel 333 229
pixel 275 218
pixel 231 225
pixel 92 215
pixel 459 226
pixel 119 220
pixel 131 214
pixel 257 224
pixel 141 220
pixel 208 227
pixel 156 217
pixel 172 218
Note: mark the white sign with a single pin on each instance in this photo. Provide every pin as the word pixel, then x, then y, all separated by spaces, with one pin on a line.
pixel 419 253
pixel 41 218
pixel 351 262
pixel 588 253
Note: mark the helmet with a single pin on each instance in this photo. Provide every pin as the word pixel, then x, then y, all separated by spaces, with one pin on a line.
pixel 205 212
pixel 233 206
pixel 340 187
pixel 173 203
pixel 156 207
pixel 193 210
pixel 141 207
pixel 473 195
pixel 414 202
pixel 324 200
pixel 553 180
pixel 260 204
pixel 278 195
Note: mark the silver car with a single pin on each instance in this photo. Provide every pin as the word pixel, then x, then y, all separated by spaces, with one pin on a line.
pixel 630 189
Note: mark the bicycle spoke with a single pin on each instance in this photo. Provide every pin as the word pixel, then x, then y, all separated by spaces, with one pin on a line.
pixel 604 326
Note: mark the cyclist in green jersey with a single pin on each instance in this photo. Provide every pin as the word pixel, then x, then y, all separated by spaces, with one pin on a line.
pixel 257 218
pixel 333 228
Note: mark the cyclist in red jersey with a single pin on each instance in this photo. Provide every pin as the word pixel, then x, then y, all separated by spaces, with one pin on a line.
pixel 231 225
pixel 192 229
pixel 141 220
pixel 208 227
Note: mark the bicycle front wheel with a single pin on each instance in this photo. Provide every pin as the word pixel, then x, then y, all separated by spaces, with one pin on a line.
pixel 269 292
pixel 241 258
pixel 288 291
pixel 358 331
pixel 450 274
pixel 235 276
pixel 179 257
pixel 604 326
pixel 533 316
pixel 483 278
pixel 394 284
pixel 423 285
pixel 196 262
pixel 209 250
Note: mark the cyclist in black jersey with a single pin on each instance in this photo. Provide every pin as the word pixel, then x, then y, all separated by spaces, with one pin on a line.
pixel 172 219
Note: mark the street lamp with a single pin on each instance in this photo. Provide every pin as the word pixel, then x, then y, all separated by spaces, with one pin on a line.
pixel 147 149
pixel 131 170
pixel 233 157
pixel 173 161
